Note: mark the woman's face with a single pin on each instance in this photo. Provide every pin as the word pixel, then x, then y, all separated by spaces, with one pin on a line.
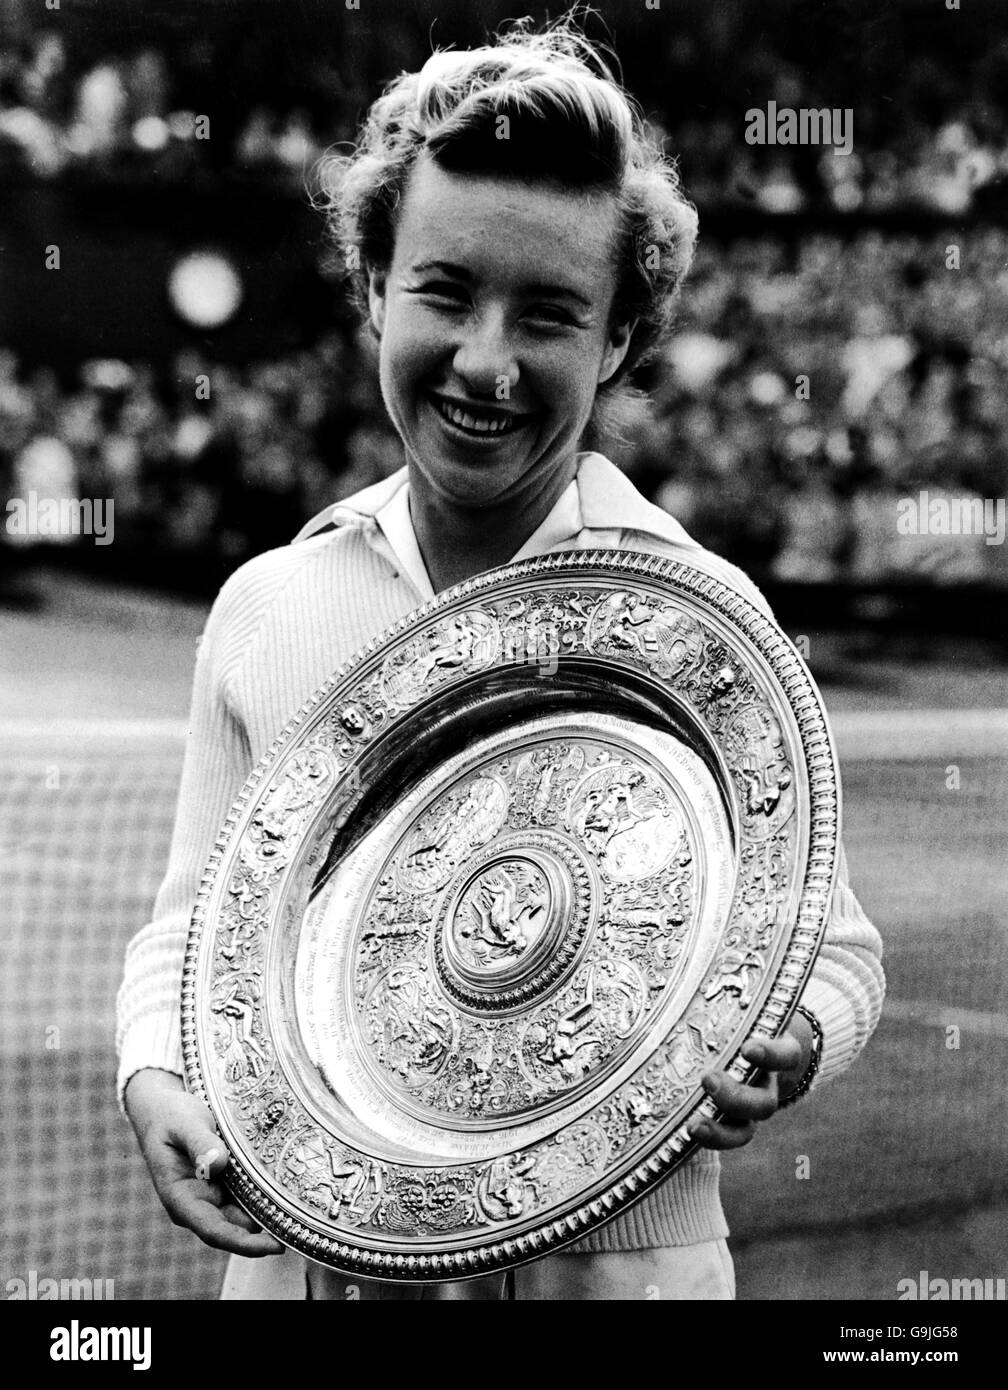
pixel 495 333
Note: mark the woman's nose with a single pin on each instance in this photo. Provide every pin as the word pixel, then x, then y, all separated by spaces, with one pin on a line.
pixel 484 357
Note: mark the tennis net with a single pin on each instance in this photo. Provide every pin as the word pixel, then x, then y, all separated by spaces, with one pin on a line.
pixel 85 823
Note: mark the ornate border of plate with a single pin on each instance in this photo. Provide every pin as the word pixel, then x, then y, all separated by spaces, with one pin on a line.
pixel 605 597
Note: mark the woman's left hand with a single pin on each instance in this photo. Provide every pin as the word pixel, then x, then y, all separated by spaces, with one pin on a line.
pixel 782 1062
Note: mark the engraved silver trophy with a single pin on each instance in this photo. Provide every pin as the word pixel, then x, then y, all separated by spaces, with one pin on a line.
pixel 494 901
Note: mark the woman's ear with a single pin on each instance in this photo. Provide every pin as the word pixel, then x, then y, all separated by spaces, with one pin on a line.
pixel 616 349
pixel 377 280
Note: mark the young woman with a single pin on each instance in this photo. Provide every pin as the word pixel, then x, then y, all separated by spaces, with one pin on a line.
pixel 518 241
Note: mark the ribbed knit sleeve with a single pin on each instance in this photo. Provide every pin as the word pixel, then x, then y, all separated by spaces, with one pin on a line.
pixel 217 761
pixel 847 985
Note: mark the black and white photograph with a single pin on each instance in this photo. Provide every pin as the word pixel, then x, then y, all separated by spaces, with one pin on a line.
pixel 503 660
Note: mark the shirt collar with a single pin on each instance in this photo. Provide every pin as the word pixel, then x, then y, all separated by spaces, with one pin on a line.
pixel 558 528
pixel 596 508
pixel 397 524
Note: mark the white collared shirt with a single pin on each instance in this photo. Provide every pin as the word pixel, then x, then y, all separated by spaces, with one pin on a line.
pixel 599 509
pixel 561 524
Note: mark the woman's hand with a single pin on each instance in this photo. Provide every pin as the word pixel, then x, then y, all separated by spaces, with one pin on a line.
pixel 782 1062
pixel 186 1158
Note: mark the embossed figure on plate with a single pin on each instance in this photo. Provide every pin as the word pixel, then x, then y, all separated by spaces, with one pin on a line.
pixel 541 781
pixel 467 641
pixel 624 817
pixel 572 1158
pixel 459 823
pixel 662 637
pixel 508 1188
pixel 501 914
pixel 740 967
pixel 766 785
pixel 567 1039
pixel 342 1184
pixel 412 1032
pixel 234 1001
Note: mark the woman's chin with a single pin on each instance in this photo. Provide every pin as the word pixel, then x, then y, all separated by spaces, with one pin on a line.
pixel 475 494
pixel 473 485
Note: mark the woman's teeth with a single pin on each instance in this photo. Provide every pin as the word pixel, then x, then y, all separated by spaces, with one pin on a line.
pixel 478 424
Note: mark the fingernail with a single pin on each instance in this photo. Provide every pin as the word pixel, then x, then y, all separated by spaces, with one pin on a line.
pixel 205 1162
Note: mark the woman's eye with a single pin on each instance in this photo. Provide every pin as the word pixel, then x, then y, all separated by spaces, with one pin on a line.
pixel 549 313
pixel 444 289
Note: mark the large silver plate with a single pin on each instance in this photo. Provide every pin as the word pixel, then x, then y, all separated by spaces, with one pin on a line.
pixel 493 902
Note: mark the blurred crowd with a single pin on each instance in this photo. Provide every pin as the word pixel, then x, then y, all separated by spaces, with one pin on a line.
pixel 926 138
pixel 257 105
pixel 813 383
pixel 816 379
pixel 121 116
pixel 205 459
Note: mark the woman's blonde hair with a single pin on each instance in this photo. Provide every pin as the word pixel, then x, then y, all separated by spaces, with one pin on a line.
pixel 568 122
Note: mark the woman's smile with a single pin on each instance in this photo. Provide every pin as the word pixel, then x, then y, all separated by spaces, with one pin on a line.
pixel 477 424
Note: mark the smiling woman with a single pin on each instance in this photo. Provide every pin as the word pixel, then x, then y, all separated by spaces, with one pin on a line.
pixel 516 239
pixel 492 352
pixel 535 108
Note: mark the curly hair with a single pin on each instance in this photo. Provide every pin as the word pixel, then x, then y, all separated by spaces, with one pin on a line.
pixel 569 122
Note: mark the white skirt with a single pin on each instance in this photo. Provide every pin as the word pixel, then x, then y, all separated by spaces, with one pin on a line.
pixel 702 1271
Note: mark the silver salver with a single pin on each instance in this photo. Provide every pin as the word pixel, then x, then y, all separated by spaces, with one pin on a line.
pixel 493 902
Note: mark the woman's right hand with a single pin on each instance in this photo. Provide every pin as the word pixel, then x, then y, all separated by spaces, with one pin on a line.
pixel 187 1158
